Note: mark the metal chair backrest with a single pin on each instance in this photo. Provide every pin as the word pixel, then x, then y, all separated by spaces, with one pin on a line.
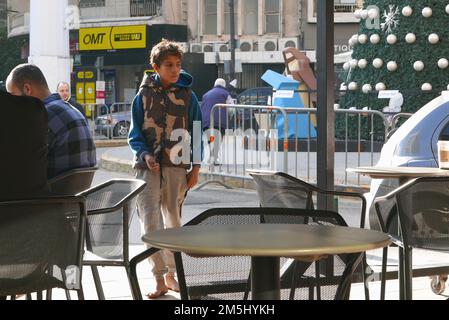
pixel 41 244
pixel 423 209
pixel 281 190
pixel 110 211
pixel 228 277
pixel 72 182
pixel 277 189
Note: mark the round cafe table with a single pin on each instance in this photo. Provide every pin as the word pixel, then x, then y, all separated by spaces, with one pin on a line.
pixel 403 174
pixel 266 243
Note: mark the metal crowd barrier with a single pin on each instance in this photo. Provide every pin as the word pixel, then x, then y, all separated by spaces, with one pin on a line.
pixel 251 142
pixel 395 122
pixel 251 139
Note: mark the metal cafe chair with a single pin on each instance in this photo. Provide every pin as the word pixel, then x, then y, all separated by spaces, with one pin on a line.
pixel 109 212
pixel 281 190
pixel 421 220
pixel 41 245
pixel 228 278
pixel 72 182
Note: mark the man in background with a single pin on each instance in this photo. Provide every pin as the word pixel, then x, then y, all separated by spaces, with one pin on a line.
pixel 217 95
pixel 63 88
pixel 70 143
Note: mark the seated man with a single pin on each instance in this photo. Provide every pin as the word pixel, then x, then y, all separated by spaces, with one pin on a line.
pixel 23 141
pixel 63 89
pixel 70 143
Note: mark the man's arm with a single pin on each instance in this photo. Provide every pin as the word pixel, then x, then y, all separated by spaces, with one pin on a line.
pixel 136 139
pixel 229 100
pixel 77 106
pixel 196 123
pixel 195 119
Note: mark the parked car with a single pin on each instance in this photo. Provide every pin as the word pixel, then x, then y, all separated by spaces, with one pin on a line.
pixel 256 96
pixel 414 144
pixel 115 124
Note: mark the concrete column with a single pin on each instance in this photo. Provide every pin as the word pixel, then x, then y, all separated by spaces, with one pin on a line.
pixel 49 40
pixel 261 15
pixel 240 16
pixel 220 17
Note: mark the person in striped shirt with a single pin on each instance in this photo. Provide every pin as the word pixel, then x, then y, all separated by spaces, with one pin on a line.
pixel 70 143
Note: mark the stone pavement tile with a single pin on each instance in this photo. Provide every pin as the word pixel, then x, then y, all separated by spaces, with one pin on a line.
pixel 115 282
pixel 421 290
pixel 116 287
pixel 421 285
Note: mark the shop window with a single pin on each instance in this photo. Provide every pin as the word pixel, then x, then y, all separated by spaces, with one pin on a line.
pixel 343 9
pixel 92 3
pixel 145 8
pixel 271 16
pixel 210 21
pixel 227 16
pixel 250 20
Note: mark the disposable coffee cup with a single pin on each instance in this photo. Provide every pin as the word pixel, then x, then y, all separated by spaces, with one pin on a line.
pixel 443 154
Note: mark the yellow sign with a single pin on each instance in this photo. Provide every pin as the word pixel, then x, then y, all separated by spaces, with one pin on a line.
pixel 85 91
pixel 89 91
pixel 80 92
pixel 85 75
pixel 111 38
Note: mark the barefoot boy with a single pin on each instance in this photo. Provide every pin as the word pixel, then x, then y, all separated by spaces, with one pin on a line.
pixel 164 107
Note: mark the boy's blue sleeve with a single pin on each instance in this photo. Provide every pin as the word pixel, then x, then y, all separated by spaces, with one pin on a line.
pixel 196 141
pixel 136 139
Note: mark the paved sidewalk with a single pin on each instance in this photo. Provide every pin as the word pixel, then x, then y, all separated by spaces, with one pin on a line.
pixel 115 282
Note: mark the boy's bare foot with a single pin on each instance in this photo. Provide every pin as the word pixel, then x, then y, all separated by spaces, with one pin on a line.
pixel 161 289
pixel 172 284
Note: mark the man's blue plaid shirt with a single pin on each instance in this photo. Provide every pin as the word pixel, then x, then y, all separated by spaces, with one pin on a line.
pixel 70 144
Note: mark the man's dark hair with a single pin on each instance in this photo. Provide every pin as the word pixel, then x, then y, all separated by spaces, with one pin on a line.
pixel 30 73
pixel 164 49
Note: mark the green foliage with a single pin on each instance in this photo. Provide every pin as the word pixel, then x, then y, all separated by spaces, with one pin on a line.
pixel 405 78
pixel 9 53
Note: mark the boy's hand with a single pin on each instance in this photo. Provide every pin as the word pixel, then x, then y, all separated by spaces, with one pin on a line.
pixel 192 177
pixel 152 164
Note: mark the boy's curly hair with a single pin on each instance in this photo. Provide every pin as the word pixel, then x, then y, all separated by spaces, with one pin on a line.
pixel 164 49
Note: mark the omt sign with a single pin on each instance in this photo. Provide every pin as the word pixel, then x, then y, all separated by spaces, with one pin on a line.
pixel 111 38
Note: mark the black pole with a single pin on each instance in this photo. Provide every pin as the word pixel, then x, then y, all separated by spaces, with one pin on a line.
pixel 232 39
pixel 325 108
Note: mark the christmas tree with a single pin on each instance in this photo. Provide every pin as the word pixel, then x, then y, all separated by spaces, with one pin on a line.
pixel 401 45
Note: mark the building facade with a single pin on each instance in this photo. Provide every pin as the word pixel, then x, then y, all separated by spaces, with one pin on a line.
pixel 109 41
pixel 263 28
pixel 3 13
